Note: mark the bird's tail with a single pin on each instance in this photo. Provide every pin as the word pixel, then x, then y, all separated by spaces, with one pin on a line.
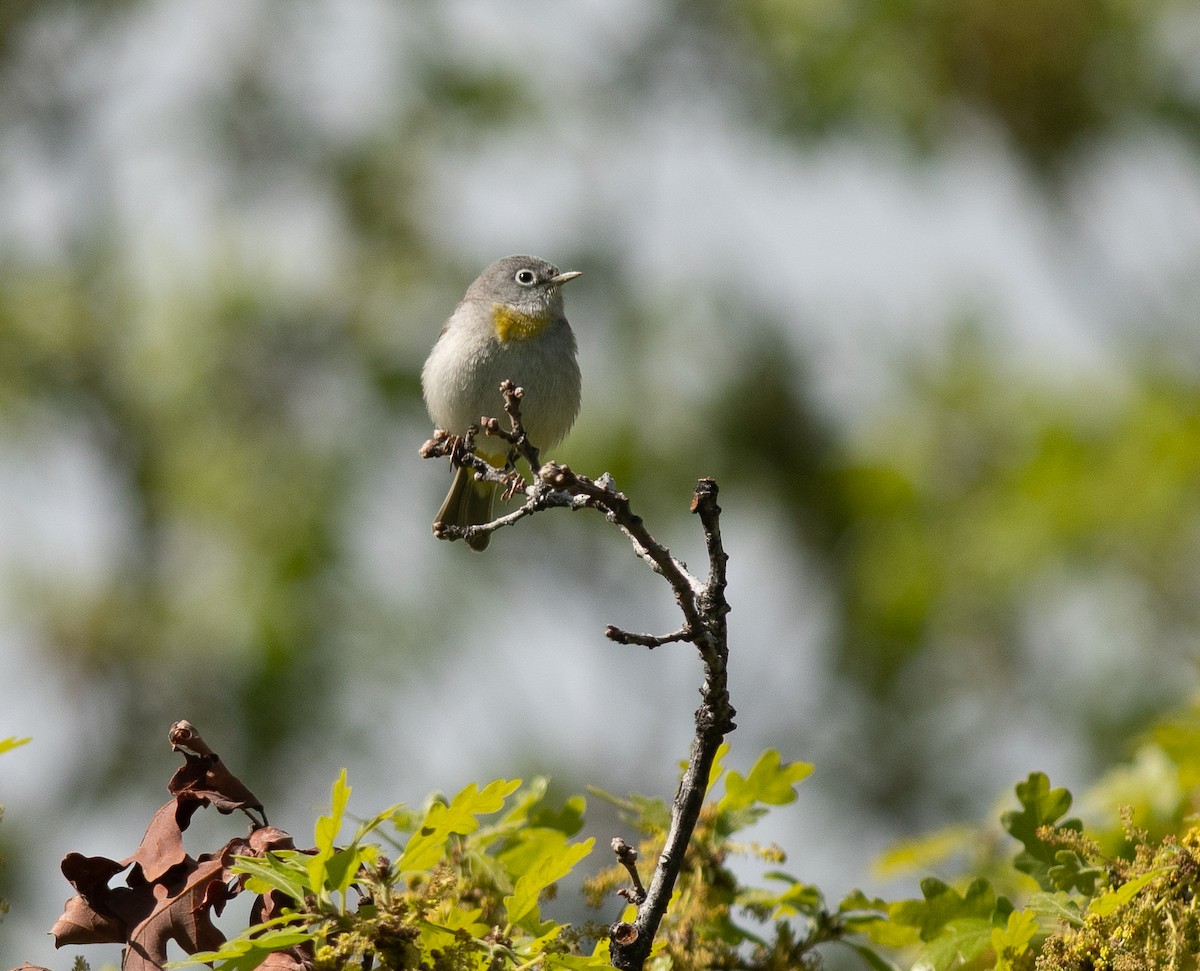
pixel 469 503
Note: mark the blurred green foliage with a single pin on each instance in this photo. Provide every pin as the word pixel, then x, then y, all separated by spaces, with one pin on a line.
pixel 237 417
pixel 950 530
pixel 227 588
pixel 987 489
pixel 1053 76
pixel 206 402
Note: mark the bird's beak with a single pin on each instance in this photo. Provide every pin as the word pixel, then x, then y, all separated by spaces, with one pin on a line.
pixel 564 277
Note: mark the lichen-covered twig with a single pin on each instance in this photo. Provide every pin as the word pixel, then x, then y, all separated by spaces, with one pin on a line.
pixel 701 602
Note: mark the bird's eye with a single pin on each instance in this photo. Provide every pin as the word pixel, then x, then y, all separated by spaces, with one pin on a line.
pixel 525 277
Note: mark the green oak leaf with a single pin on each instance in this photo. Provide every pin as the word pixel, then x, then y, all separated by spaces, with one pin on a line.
pixel 942 904
pixel 771 781
pixel 426 845
pixel 1040 806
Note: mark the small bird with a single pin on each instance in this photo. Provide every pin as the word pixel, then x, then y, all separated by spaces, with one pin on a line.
pixel 510 324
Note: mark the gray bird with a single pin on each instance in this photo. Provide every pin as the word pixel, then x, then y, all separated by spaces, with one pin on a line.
pixel 510 324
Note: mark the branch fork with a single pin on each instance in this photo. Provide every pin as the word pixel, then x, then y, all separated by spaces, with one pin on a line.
pixel 701 602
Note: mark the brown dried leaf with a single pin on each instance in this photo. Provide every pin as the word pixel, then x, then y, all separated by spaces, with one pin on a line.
pixel 146 914
pixel 168 895
pixel 263 841
pixel 177 912
pixel 268 838
pixel 81 923
pixel 270 905
pixel 90 874
pixel 220 892
pixel 292 959
pixel 88 918
pixel 162 845
pixel 204 777
pixel 184 738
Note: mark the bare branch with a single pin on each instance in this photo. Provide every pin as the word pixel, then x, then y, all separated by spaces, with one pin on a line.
pixel 614 633
pixel 704 609
pixel 460 449
pixel 515 436
pixel 616 508
pixel 714 719
pixel 627 857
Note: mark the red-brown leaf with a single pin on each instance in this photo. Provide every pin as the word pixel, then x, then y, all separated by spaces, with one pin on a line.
pixel 293 959
pixel 90 874
pixel 177 912
pixel 203 775
pixel 268 838
pixel 88 917
pixel 162 845
pixel 81 923
pixel 167 895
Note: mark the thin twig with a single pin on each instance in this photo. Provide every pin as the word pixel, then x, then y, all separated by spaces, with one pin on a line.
pixel 617 510
pixel 627 857
pixel 515 434
pixel 620 636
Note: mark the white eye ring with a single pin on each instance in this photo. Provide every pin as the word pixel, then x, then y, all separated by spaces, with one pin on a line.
pixel 525 278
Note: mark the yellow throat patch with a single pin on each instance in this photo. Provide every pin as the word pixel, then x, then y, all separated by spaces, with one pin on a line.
pixel 512 325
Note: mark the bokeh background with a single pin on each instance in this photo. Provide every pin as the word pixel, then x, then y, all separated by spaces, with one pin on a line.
pixel 916 280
